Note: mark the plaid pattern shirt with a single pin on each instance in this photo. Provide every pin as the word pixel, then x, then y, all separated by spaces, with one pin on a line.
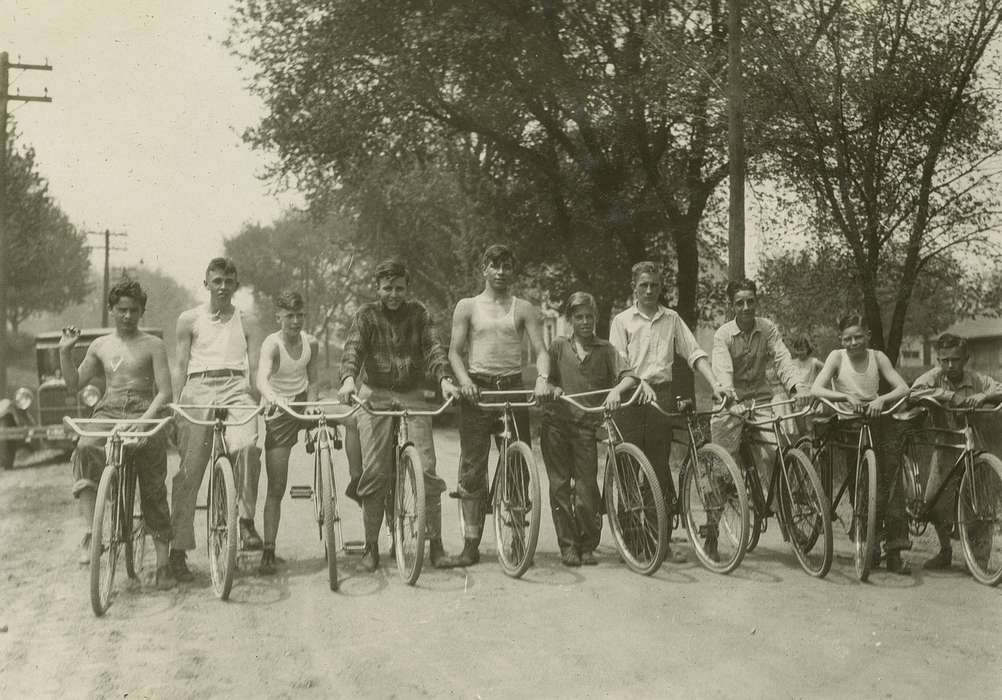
pixel 394 350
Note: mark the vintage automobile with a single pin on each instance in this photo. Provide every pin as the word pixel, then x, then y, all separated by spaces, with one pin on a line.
pixel 33 419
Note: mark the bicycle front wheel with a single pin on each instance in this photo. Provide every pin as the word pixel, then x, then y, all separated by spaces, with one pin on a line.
pixel 864 515
pixel 221 527
pixel 134 529
pixel 806 514
pixel 715 503
pixel 106 541
pixel 979 518
pixel 409 518
pixel 636 509
pixel 517 509
pixel 327 509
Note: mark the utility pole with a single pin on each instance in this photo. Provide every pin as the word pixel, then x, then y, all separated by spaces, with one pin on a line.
pixel 5 67
pixel 735 144
pixel 107 268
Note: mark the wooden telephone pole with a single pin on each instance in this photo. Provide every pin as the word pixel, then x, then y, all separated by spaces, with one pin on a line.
pixel 5 97
pixel 107 268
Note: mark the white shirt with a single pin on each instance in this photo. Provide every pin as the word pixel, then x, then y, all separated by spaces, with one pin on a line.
pixel 650 343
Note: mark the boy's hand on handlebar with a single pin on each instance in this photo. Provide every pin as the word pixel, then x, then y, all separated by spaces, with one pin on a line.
pixel 974 400
pixel 613 400
pixel 647 394
pixel 724 394
pixel 449 390
pixel 346 391
pixel 469 391
pixel 542 390
pixel 874 408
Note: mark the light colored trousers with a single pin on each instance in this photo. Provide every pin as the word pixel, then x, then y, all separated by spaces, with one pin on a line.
pixel 195 447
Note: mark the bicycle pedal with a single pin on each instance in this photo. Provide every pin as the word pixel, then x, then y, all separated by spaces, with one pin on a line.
pixel 301 492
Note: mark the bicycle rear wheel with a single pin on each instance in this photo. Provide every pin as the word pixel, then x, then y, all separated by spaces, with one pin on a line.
pixel 715 504
pixel 106 540
pixel 979 517
pixel 757 520
pixel 221 527
pixel 864 515
pixel 135 544
pixel 326 498
pixel 636 509
pixel 806 514
pixel 409 518
pixel 517 509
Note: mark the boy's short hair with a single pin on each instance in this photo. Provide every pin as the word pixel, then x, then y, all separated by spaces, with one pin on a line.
pixel 127 287
pixel 949 341
pixel 289 301
pixel 802 343
pixel 389 269
pixel 853 319
pixel 645 267
pixel 742 284
pixel 497 254
pixel 224 265
pixel 577 299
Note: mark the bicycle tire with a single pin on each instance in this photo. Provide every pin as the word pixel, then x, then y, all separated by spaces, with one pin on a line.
pixel 409 515
pixel 328 508
pixel 221 527
pixel 864 525
pixel 914 498
pixel 135 545
pixel 633 503
pixel 757 524
pixel 718 492
pixel 105 541
pixel 802 501
pixel 517 509
pixel 979 518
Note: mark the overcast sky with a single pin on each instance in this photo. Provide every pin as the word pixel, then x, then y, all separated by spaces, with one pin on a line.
pixel 143 134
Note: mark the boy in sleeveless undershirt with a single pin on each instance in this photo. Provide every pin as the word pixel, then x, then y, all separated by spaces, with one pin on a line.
pixel 217 348
pixel 488 334
pixel 286 372
pixel 137 385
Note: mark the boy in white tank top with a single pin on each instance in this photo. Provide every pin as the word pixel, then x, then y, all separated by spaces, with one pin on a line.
pixel 216 354
pixel 490 330
pixel 286 372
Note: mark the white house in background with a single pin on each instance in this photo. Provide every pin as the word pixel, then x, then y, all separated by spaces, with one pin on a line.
pixel 984 345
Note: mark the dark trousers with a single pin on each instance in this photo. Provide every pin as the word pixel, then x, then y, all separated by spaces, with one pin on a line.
pixel 571 458
pixel 476 426
pixel 652 433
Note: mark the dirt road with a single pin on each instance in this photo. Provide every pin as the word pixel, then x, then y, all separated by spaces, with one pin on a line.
pixel 765 630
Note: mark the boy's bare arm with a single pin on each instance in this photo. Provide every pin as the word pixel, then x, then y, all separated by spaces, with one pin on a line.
pixel 457 344
pixel 533 325
pixel 252 334
pixel 312 390
pixel 183 335
pixel 161 377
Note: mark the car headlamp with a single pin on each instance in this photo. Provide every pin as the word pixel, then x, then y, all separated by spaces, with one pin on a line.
pixel 90 395
pixel 23 398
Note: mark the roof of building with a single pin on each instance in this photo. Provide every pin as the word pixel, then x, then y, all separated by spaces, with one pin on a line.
pixel 978 327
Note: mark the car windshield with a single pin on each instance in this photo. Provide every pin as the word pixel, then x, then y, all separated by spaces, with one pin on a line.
pixel 48 362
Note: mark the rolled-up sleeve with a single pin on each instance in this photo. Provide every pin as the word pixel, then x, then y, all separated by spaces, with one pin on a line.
pixel 685 342
pixel 351 356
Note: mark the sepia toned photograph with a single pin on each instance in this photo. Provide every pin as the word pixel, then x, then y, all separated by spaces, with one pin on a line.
pixel 501 349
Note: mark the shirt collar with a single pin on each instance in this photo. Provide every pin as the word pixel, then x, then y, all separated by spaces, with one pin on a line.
pixel 734 329
pixel 657 314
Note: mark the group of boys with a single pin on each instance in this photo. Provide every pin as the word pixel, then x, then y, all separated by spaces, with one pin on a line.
pixel 391 353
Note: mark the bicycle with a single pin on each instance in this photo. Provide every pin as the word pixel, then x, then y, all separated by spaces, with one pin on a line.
pixel 858 514
pixel 804 513
pixel 221 507
pixel 711 484
pixel 633 499
pixel 513 495
pixel 978 505
pixel 407 490
pixel 321 441
pixel 118 524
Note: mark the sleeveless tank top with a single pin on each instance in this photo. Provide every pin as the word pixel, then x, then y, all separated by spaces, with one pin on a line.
pixel 218 345
pixel 861 385
pixel 289 378
pixel 495 343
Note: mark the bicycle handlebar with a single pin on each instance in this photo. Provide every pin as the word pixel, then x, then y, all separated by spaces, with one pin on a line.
pixel 750 410
pixel 287 408
pixel 570 398
pixel 955 409
pixel 508 392
pixel 400 412
pixel 73 423
pixel 854 414
pixel 182 410
pixel 676 414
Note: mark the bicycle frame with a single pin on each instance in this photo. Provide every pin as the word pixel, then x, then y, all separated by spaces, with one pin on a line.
pixel 509 430
pixel 613 436
pixel 696 439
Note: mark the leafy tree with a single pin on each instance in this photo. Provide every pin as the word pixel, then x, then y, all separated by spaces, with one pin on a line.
pixel 591 134
pixel 46 257
pixel 888 129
